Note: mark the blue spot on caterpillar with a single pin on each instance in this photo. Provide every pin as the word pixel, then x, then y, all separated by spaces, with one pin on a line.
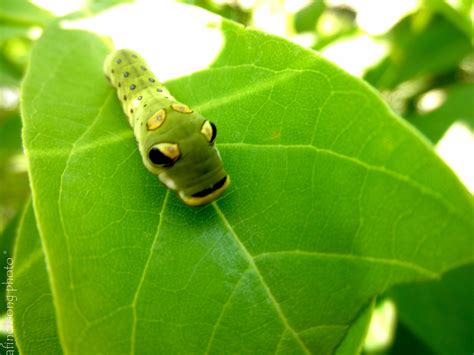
pixel 176 143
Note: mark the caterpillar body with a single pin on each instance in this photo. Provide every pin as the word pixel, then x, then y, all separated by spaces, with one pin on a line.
pixel 176 143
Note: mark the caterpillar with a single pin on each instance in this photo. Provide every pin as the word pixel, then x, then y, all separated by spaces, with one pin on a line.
pixel 176 143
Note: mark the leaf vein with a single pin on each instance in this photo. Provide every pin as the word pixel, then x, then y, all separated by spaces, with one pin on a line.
pixel 142 278
pixel 371 259
pixel 406 179
pixel 222 312
pixel 60 207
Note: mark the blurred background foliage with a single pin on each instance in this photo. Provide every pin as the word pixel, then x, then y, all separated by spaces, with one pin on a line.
pixel 417 53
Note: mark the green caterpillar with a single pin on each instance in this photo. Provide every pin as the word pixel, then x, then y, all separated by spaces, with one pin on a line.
pixel 176 143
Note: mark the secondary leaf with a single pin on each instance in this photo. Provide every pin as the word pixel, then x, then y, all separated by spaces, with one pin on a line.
pixel 8 31
pixel 7 241
pixel 421 45
pixel 14 187
pixel 455 108
pixel 24 12
pixel 33 304
pixel 406 342
pixel 333 200
pixel 440 313
pixel 305 20
pixel 354 340
pixel 458 12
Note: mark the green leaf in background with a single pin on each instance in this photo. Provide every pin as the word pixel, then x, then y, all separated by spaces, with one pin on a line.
pixel 334 200
pixel 305 20
pixel 33 304
pixel 10 136
pixel 455 107
pixel 16 52
pixel 231 10
pixel 441 313
pixel 9 74
pixel 406 342
pixel 9 31
pixel 421 44
pixel 96 6
pixel 458 12
pixel 14 186
pixel 24 12
pixel 90 8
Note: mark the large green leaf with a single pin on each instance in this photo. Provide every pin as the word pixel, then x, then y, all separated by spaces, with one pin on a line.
pixel 334 199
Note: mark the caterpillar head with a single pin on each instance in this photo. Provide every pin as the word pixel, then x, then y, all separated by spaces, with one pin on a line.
pixel 180 150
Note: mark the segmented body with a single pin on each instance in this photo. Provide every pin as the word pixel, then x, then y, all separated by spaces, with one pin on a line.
pixel 176 143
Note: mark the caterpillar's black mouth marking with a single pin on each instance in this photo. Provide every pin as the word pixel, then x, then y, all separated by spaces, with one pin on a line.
pixel 209 190
pixel 207 195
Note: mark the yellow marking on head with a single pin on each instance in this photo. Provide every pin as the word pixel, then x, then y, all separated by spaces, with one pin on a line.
pixel 209 131
pixel 181 108
pixel 171 150
pixel 156 120
pixel 164 154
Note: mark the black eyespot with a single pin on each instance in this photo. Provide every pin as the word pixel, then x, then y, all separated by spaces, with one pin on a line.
pixel 143 68
pixel 125 74
pixel 151 80
pixel 214 132
pixel 140 97
pixel 158 158
pixel 119 61
pixel 132 87
pixel 159 90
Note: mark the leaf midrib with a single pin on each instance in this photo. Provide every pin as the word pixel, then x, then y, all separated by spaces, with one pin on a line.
pixel 262 281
